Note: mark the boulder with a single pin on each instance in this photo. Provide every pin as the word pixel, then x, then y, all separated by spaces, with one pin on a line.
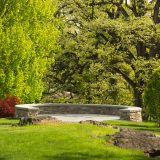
pixel 36 120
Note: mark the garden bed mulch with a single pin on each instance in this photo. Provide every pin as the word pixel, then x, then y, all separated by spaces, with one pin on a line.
pixel 136 139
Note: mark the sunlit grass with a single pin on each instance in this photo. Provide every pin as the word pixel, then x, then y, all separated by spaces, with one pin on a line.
pixel 8 121
pixel 148 126
pixel 63 141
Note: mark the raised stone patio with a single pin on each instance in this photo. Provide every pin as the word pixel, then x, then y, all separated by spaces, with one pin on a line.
pixel 124 112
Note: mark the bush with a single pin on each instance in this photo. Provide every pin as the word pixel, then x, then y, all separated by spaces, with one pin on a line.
pixel 152 97
pixel 7 106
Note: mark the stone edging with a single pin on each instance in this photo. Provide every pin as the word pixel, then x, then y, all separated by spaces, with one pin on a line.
pixel 130 113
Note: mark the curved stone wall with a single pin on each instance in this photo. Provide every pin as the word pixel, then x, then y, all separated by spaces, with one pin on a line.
pixel 125 112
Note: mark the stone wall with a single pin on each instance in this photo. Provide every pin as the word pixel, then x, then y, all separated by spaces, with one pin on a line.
pixel 79 109
pixel 131 114
pixel 26 111
pixel 125 112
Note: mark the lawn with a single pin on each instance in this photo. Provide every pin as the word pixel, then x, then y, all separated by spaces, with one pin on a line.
pixel 148 126
pixel 67 141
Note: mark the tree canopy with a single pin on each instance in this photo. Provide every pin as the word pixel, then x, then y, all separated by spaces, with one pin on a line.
pixel 28 35
pixel 109 49
pixel 106 52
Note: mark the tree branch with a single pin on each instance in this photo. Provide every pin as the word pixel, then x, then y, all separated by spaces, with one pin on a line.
pixel 130 81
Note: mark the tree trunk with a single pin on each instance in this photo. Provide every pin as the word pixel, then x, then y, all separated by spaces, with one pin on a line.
pixel 137 98
pixel 156 18
pixel 141 49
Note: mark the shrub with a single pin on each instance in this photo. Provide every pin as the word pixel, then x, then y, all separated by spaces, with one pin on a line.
pixel 7 106
pixel 152 97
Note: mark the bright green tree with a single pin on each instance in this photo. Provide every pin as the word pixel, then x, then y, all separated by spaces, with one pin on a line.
pixel 28 34
pixel 152 97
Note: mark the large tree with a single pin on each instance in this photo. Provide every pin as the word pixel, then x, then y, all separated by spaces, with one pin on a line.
pixel 28 33
pixel 119 38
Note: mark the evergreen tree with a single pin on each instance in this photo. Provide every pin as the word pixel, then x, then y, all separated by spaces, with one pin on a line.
pixel 151 97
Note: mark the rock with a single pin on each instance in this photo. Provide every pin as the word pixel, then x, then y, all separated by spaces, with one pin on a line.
pixel 28 120
pixel 98 123
pixel 45 117
pixel 37 120
pixel 143 140
pixel 115 127
pixel 153 153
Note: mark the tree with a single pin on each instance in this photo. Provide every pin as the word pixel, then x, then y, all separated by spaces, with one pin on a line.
pixel 72 79
pixel 121 37
pixel 74 69
pixel 151 97
pixel 28 34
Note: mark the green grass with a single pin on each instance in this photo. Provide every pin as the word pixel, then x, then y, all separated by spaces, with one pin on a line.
pixel 148 126
pixel 8 121
pixel 68 141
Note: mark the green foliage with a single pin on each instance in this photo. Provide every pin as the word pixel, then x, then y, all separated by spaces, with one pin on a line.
pixel 151 97
pixel 28 33
pixel 74 80
pixel 109 50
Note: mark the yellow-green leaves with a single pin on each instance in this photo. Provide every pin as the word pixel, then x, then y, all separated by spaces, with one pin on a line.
pixel 28 36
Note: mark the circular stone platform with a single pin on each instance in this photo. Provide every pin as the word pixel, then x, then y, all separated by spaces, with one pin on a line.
pixel 78 112
pixel 82 117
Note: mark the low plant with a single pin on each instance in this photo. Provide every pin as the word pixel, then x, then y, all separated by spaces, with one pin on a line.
pixel 7 106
